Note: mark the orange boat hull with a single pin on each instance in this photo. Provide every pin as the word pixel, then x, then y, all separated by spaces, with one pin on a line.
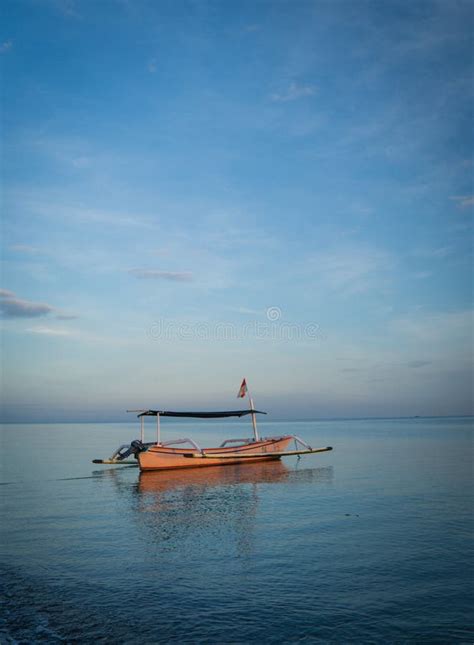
pixel 166 458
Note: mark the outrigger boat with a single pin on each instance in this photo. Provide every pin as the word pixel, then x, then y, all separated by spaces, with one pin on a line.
pixel 166 455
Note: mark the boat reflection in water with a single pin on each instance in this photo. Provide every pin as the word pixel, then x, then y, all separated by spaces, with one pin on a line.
pixel 212 507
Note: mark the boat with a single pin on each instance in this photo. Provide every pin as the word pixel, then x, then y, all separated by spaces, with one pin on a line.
pixel 170 455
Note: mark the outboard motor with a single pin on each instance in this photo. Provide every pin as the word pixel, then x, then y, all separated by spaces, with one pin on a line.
pixel 134 449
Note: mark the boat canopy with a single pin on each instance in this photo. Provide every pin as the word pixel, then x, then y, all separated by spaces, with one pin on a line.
pixel 199 415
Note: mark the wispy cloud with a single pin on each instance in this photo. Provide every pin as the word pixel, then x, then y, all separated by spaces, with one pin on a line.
pixel 6 46
pixel 154 274
pixel 88 216
pixel 422 275
pixel 67 8
pixel 417 364
pixel 294 92
pixel 25 248
pixel 385 365
pixel 49 331
pixel 463 201
pixel 81 162
pixel 152 66
pixel 247 311
pixel 439 252
pixel 251 28
pixel 436 327
pixel 12 307
pixel 58 207
pixel 351 269
pixel 161 252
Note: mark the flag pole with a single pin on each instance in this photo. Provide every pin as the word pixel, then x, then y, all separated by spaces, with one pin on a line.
pixel 254 418
pixel 244 390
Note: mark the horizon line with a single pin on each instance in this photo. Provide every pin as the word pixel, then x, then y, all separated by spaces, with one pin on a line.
pixel 265 421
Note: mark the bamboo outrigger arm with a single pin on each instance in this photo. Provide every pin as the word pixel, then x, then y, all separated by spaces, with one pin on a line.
pixel 117 462
pixel 253 455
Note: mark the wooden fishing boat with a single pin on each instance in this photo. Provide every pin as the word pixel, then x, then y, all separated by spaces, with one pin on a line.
pixel 167 455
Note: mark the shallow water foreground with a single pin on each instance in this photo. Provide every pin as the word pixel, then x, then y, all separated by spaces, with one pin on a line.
pixel 368 543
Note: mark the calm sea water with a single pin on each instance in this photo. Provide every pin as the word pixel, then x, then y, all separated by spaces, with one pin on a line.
pixel 369 543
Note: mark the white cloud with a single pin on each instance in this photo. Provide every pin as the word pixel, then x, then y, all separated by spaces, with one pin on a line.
pixel 433 253
pixel 51 207
pixel 67 8
pixel 81 162
pixel 294 92
pixel 6 46
pixel 5 293
pixel 160 252
pixel 76 152
pixel 251 28
pixel 464 201
pixel 154 274
pixel 25 248
pixel 445 328
pixel 351 269
pixel 422 275
pixel 49 331
pixel 247 311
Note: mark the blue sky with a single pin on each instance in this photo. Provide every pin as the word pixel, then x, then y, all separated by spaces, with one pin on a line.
pixel 194 192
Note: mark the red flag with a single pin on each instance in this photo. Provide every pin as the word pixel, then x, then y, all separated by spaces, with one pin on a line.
pixel 243 390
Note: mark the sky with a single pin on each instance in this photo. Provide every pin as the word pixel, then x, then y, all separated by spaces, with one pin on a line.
pixel 198 191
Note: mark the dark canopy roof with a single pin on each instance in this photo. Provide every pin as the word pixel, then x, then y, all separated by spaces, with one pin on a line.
pixel 199 415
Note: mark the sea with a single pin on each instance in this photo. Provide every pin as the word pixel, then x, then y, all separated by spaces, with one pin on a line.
pixel 369 543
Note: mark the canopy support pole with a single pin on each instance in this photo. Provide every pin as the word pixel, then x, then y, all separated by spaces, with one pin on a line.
pixel 158 429
pixel 142 429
